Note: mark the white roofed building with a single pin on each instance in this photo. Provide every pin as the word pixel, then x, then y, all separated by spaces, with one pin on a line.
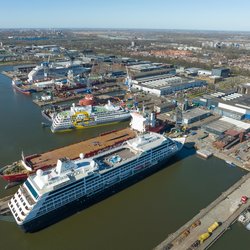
pixel 167 85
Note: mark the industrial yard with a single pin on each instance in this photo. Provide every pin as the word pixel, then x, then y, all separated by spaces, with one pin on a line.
pixel 197 103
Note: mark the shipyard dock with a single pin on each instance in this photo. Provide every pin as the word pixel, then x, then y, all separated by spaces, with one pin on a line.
pixel 225 210
pixel 88 148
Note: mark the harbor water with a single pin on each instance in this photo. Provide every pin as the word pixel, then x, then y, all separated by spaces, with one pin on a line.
pixel 137 218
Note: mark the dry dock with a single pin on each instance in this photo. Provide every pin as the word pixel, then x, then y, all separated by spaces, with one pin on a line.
pixel 225 210
pixel 88 148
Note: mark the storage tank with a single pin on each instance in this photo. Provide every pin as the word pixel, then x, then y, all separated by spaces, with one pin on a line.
pixel 213 227
pixel 203 237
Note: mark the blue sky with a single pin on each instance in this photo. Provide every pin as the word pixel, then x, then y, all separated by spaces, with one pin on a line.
pixel 153 14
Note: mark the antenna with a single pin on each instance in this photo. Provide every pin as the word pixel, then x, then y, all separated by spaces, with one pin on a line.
pixel 66 53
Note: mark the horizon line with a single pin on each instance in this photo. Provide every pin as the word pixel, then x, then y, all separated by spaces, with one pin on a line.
pixel 152 29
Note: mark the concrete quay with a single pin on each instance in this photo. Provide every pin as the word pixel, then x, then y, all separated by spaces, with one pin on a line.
pixel 225 210
pixel 231 155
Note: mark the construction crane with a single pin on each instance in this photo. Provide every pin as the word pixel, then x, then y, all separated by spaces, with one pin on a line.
pixel 66 53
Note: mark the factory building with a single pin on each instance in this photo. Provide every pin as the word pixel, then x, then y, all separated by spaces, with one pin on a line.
pixel 221 72
pixel 194 115
pixel 154 74
pixel 192 71
pixel 163 85
pixel 203 72
pixel 224 124
pixel 231 104
pixel 145 67
pixel 244 89
pixel 164 107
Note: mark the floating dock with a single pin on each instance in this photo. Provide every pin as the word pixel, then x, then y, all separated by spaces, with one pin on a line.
pixel 225 210
pixel 204 153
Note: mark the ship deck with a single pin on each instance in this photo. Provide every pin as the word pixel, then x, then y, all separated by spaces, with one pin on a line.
pixel 116 157
pixel 88 148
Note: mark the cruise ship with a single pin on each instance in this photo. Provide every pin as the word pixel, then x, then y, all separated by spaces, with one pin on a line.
pixel 50 195
pixel 56 69
pixel 79 117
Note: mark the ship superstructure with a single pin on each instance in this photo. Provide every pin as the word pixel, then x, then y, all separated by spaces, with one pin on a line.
pixel 56 69
pixel 47 195
pixel 79 117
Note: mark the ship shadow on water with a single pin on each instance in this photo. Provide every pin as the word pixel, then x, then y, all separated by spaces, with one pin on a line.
pixel 83 203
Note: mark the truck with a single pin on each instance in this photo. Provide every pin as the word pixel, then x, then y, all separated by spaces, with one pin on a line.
pixel 203 237
pixel 213 227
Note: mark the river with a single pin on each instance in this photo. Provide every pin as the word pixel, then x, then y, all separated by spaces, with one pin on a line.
pixel 137 218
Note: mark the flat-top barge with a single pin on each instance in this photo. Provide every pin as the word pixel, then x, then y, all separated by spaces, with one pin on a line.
pixel 19 171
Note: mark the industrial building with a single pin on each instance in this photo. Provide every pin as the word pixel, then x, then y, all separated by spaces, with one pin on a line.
pixel 203 72
pixel 142 76
pixel 232 136
pixel 148 67
pixel 230 104
pixel 224 124
pixel 194 115
pixel 163 85
pixel 192 71
pixel 226 141
pixel 244 89
pixel 221 72
pixel 164 107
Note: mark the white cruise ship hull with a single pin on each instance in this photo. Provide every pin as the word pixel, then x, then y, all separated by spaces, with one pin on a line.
pixel 86 201
pixel 61 127
pixel 69 189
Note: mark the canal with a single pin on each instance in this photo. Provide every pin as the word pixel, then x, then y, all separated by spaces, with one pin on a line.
pixel 139 217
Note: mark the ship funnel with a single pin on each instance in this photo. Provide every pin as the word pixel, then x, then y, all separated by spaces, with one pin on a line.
pixel 81 155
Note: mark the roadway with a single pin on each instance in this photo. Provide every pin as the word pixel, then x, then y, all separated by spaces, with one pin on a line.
pixel 225 209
